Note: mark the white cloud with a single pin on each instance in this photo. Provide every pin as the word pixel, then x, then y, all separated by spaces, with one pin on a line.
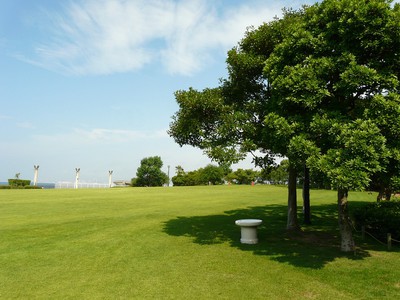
pixel 103 135
pixel 116 135
pixel 108 36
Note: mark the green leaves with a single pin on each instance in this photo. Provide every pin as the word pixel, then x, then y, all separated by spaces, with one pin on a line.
pixel 303 85
pixel 149 173
pixel 199 115
pixel 320 86
pixel 359 152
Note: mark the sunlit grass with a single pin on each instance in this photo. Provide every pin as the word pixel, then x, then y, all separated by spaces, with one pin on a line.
pixel 181 243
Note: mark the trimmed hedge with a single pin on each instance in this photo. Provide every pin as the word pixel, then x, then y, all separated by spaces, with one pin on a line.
pixel 26 187
pixel 380 218
pixel 19 182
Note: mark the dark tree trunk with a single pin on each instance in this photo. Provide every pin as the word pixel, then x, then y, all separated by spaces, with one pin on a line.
pixel 306 196
pixel 384 193
pixel 388 194
pixel 380 195
pixel 292 222
pixel 346 233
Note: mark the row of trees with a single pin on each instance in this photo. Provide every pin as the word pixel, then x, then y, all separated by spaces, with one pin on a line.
pixel 149 174
pixel 208 175
pixel 214 175
pixel 320 86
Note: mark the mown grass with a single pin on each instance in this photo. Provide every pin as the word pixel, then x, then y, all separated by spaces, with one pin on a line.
pixel 181 243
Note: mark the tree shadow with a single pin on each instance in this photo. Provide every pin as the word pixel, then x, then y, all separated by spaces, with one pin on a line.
pixel 312 247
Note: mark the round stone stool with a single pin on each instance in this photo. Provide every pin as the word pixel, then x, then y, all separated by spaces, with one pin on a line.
pixel 248 230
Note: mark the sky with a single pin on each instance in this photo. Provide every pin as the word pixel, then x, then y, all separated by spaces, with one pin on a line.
pixel 90 84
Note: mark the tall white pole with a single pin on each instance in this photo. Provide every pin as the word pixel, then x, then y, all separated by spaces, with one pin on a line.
pixel 168 175
pixel 77 170
pixel 35 177
pixel 110 178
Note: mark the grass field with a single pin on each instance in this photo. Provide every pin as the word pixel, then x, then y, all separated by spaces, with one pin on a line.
pixel 182 243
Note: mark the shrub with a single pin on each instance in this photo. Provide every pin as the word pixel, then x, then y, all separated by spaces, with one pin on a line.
pixel 380 218
pixel 18 182
pixel 5 187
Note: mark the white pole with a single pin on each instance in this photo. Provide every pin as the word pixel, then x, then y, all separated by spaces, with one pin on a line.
pixel 110 178
pixel 35 177
pixel 168 176
pixel 77 170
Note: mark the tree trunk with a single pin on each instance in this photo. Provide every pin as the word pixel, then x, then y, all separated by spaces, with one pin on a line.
pixel 380 195
pixel 292 223
pixel 347 241
pixel 306 196
pixel 388 194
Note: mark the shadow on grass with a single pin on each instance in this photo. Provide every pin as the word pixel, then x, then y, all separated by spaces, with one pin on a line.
pixel 313 247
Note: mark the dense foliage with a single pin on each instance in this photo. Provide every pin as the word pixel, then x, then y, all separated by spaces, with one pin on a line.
pixel 212 174
pixel 380 218
pixel 319 86
pixel 149 173
pixel 18 182
pixel 204 176
pixel 243 176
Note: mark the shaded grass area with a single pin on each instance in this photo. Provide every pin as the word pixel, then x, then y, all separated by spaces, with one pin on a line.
pixel 181 243
pixel 312 247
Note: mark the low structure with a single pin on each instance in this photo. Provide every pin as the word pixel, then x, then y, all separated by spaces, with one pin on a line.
pixel 248 230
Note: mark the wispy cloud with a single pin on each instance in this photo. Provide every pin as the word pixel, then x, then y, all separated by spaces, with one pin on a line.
pixel 25 125
pixel 5 117
pixel 108 36
pixel 103 135
pixel 118 135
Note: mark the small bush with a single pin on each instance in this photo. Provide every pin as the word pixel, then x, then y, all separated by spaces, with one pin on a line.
pixel 5 187
pixel 380 218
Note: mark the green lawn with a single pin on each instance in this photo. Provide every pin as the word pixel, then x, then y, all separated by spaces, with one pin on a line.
pixel 181 243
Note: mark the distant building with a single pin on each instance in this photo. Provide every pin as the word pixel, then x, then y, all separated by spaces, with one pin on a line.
pixel 122 183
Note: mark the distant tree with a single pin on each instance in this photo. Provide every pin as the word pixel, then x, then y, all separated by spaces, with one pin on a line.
pixel 149 173
pixel 193 178
pixel 278 174
pixel 212 174
pixel 242 176
pixel 183 178
pixel 180 178
pixel 134 181
pixel 209 174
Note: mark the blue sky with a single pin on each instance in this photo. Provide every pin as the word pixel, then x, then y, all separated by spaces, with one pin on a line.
pixel 90 83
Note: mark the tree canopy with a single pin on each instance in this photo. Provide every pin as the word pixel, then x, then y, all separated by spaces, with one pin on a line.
pixel 320 86
pixel 149 173
pixel 210 174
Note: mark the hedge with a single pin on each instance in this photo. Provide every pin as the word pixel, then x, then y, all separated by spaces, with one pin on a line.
pixel 19 182
pixel 26 187
pixel 380 218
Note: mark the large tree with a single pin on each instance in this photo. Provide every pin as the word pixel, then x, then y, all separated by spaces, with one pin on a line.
pixel 341 60
pixel 149 173
pixel 308 86
pixel 227 122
